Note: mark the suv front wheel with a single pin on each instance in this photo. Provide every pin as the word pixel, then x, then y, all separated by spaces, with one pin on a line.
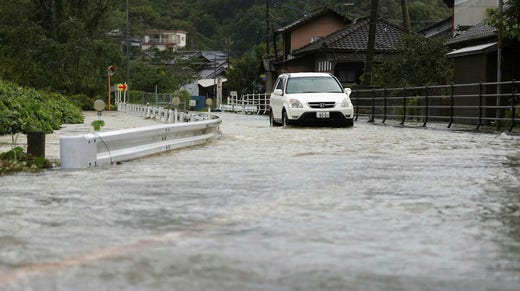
pixel 272 122
pixel 285 120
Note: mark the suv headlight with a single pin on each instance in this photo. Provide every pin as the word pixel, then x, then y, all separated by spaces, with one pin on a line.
pixel 295 103
pixel 346 102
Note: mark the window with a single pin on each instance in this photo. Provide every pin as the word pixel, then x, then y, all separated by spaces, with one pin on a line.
pixel 324 66
pixel 279 85
pixel 313 85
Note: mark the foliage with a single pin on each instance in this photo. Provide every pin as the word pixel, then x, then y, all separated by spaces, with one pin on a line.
pixel 16 160
pixel 419 61
pixel 23 110
pixel 510 19
pixel 244 72
pixel 57 44
pixel 65 46
pixel 84 102
pixel 97 124
pixel 165 69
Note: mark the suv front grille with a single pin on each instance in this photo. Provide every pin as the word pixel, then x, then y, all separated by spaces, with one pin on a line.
pixel 322 104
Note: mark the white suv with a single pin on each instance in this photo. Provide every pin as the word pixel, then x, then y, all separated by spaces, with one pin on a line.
pixel 310 99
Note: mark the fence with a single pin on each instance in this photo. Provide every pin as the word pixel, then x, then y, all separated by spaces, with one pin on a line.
pixel 160 113
pixel 477 103
pixel 160 99
pixel 249 103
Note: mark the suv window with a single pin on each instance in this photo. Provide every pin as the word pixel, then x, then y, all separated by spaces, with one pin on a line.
pixel 313 85
pixel 279 85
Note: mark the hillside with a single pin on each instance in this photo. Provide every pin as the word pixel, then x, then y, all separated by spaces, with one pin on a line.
pixel 212 24
pixel 64 45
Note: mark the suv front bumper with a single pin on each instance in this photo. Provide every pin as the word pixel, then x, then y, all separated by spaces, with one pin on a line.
pixel 337 117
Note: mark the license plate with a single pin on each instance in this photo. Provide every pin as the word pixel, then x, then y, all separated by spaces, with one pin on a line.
pixel 322 114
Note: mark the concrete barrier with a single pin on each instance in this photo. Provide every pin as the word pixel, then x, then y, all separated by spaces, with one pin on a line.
pixel 105 148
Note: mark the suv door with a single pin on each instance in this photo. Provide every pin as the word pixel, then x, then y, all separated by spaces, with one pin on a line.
pixel 276 100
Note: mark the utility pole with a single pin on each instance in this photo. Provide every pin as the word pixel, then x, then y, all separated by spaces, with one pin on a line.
pixel 499 58
pixel 267 27
pixel 371 43
pixel 127 47
pixel 406 16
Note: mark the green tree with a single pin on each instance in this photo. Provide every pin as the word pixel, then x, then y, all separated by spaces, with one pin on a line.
pixel 419 61
pixel 164 70
pixel 244 73
pixel 57 44
pixel 510 19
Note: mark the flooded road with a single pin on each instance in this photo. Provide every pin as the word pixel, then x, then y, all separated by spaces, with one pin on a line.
pixel 363 208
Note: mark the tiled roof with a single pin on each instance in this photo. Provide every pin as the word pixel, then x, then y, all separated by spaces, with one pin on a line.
pixel 474 33
pixel 354 37
pixel 442 27
pixel 309 17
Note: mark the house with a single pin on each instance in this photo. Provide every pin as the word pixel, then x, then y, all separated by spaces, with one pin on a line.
pixel 475 52
pixel 475 44
pixel 211 67
pixel 443 28
pixel 164 39
pixel 343 52
pixel 310 28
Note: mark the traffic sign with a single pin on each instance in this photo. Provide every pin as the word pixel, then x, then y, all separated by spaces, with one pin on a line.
pixel 121 87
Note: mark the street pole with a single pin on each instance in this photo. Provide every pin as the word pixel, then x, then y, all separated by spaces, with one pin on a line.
pixel 110 72
pixel 406 16
pixel 108 86
pixel 371 43
pixel 127 46
pixel 499 59
pixel 267 27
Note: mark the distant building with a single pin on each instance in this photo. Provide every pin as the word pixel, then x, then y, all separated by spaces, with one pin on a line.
pixel 164 39
pixel 474 53
pixel 474 44
pixel 309 29
pixel 211 67
pixel 339 47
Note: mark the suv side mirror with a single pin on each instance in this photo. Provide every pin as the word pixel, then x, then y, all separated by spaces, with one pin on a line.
pixel 348 91
pixel 278 92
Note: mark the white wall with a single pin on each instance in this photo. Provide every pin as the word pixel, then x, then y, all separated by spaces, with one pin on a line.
pixel 471 12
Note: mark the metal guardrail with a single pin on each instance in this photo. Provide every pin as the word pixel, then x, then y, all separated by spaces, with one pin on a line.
pixel 104 148
pixel 476 103
pixel 161 114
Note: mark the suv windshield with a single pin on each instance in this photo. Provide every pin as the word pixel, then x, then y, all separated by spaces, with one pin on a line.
pixel 313 85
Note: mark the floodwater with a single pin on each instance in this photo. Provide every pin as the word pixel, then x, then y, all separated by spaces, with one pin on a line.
pixel 373 207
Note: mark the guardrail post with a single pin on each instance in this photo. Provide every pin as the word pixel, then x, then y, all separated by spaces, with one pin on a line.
pixel 426 108
pixel 384 105
pixel 404 106
pixel 480 105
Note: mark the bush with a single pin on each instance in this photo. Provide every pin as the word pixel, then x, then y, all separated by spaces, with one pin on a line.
pixel 24 109
pixel 16 160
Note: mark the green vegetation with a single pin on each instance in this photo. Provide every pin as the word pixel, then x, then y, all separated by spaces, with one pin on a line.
pixel 419 61
pixel 16 160
pixel 23 110
pixel 66 46
pixel 97 124
pixel 510 19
